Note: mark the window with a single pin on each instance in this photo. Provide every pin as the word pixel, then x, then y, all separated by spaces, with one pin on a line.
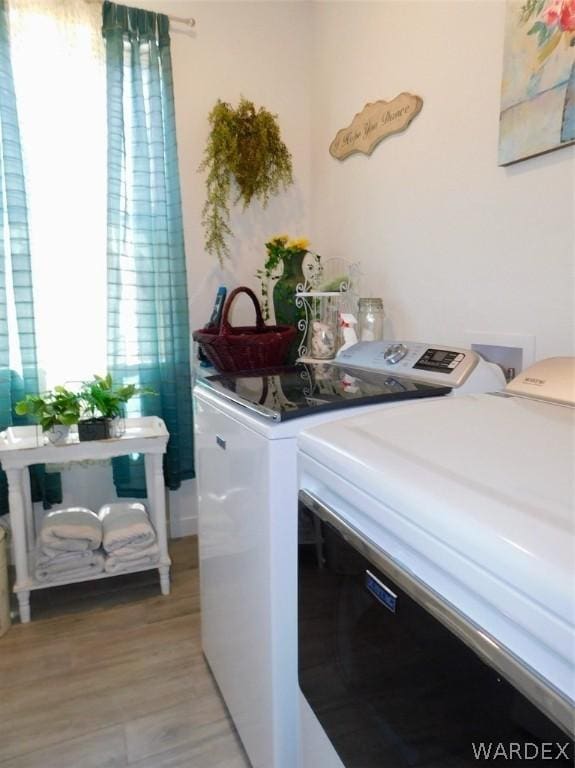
pixel 60 81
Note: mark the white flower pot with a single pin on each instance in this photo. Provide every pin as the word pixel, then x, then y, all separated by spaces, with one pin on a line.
pixel 116 427
pixel 58 434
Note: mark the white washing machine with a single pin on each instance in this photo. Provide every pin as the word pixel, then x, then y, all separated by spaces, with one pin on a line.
pixel 438 627
pixel 246 428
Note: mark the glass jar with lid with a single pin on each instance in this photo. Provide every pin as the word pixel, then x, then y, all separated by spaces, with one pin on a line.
pixel 370 319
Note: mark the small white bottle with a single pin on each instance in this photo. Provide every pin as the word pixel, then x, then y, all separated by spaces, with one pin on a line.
pixel 347 323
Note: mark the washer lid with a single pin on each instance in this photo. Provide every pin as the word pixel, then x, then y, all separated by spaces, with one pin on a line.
pixel 552 380
pixel 281 394
pixel 489 477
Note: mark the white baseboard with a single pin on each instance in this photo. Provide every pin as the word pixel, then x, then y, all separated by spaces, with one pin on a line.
pixel 183 510
pixel 184 526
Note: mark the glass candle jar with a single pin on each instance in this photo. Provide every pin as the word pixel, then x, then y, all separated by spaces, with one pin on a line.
pixel 370 319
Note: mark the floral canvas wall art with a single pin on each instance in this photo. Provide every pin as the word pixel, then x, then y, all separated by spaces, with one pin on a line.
pixel 538 85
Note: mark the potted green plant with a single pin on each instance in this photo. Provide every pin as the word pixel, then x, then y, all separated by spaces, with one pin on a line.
pixel 55 411
pixel 244 150
pixel 104 406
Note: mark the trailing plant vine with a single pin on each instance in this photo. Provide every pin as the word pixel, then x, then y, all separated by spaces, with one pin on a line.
pixel 244 149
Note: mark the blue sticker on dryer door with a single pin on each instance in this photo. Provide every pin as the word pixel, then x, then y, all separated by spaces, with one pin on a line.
pixel 382 594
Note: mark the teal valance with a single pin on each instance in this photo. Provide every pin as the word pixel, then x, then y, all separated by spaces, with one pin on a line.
pixel 135 24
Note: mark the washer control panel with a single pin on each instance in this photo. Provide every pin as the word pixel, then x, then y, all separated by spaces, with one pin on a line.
pixel 431 363
pixel 440 360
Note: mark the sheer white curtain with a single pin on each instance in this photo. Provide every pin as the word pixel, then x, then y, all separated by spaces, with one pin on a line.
pixel 60 81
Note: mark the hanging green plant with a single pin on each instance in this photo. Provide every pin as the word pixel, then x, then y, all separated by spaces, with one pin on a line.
pixel 244 148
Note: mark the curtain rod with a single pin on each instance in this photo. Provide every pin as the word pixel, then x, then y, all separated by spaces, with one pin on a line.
pixel 188 21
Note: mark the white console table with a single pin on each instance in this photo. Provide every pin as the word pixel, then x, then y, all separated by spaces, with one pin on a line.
pixel 20 447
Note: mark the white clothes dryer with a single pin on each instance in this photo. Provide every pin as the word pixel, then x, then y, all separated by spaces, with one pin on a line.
pixel 439 626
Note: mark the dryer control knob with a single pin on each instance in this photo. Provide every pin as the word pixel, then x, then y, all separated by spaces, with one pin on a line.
pixel 394 353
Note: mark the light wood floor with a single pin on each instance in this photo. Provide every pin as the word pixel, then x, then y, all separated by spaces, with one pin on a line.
pixel 111 674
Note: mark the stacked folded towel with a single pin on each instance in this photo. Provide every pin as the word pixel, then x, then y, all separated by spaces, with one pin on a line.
pixel 69 545
pixel 75 565
pixel 127 536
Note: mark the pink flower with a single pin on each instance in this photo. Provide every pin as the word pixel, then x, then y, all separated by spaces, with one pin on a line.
pixel 567 19
pixel 552 12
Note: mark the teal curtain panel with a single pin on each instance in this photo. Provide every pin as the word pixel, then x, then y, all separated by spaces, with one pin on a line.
pixel 148 325
pixel 18 358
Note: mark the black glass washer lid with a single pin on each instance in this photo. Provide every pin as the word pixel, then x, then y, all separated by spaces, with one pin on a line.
pixel 306 388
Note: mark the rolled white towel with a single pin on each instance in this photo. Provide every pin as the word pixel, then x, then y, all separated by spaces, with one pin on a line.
pixel 64 568
pixel 125 524
pixel 74 529
pixel 132 558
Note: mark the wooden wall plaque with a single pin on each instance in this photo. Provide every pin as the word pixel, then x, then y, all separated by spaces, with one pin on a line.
pixel 374 123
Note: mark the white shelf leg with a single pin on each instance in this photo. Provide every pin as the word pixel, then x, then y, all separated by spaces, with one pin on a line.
pixel 164 571
pixel 28 506
pixel 24 606
pixel 17 506
pixel 157 499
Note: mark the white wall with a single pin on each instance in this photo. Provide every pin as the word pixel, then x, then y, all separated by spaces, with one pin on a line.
pixel 449 240
pixel 260 50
